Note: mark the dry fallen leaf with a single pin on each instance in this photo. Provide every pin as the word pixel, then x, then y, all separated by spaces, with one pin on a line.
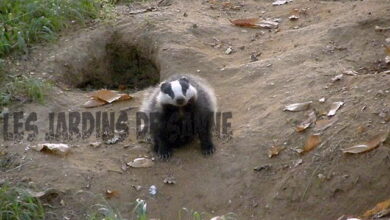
pixel 380 210
pixel 387 50
pixel 274 150
pixel 370 145
pixel 125 97
pixel 255 23
pixel 105 96
pixel 296 107
pixel 379 28
pixel 312 142
pixel 298 162
pixel 293 17
pixel 323 124
pixel 334 107
pixel 141 162
pixel 111 193
pixel 361 129
pixel 93 103
pixel 268 24
pixel 248 22
pixel 281 2
pixel 350 72
pixel 305 124
pixel 60 149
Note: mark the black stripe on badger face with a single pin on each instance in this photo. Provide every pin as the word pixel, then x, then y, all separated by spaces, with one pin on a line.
pixel 167 89
pixel 185 84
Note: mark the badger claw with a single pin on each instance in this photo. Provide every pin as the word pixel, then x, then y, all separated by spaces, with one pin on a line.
pixel 164 156
pixel 208 152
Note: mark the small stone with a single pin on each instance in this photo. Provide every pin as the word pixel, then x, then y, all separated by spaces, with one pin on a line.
pixel 321 100
pixel 298 162
pixel 153 190
pixel 137 187
pixel 321 176
pixel 337 77
pixel 170 180
pixel 228 51
pixel 95 144
pixel 293 17
pixel 254 58
pixel 263 167
pixel 387 59
pixel 350 72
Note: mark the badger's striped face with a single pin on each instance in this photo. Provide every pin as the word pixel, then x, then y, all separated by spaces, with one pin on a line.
pixel 176 93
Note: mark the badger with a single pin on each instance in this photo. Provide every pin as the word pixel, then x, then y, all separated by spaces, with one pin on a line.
pixel 180 109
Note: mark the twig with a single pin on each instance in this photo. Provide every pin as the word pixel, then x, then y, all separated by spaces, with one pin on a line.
pixel 18 167
pixel 309 184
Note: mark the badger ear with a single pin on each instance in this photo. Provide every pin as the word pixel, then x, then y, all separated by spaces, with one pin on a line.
pixel 184 78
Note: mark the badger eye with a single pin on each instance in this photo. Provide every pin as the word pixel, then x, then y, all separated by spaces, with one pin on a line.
pixel 167 89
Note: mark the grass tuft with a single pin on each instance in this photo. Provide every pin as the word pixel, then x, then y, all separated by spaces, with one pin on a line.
pixel 104 211
pixel 23 22
pixel 24 88
pixel 140 210
pixel 17 203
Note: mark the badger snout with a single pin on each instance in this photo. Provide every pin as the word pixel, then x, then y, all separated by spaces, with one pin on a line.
pixel 180 100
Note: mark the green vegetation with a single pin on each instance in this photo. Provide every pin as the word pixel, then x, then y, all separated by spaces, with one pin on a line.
pixel 23 88
pixel 190 214
pixel 17 203
pixel 104 211
pixel 23 22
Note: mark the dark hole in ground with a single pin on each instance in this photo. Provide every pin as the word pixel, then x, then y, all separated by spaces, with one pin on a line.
pixel 127 69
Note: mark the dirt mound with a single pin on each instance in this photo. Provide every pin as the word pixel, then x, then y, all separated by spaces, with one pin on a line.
pixel 296 63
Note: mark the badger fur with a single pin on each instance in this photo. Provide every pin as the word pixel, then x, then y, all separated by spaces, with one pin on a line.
pixel 180 109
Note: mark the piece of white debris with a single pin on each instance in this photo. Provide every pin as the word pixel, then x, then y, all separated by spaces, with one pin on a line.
pixel 337 77
pixel 141 163
pixel 387 59
pixel 293 17
pixel 281 2
pixel 60 149
pixel 153 190
pixel 350 72
pixel 228 51
pixel 296 107
pixel 334 107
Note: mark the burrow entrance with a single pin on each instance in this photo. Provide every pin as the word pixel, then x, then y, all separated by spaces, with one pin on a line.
pixel 111 64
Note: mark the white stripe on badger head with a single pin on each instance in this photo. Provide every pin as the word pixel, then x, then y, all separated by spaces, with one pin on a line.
pixel 191 92
pixel 177 89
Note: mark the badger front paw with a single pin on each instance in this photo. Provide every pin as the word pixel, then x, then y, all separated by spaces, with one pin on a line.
pixel 164 154
pixel 208 149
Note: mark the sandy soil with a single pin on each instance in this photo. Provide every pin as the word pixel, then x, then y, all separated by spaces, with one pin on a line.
pixel 297 62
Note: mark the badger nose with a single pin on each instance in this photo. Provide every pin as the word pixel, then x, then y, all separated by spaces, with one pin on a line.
pixel 180 101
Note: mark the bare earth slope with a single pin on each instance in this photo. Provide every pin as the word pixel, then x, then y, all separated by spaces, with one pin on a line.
pixel 296 64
